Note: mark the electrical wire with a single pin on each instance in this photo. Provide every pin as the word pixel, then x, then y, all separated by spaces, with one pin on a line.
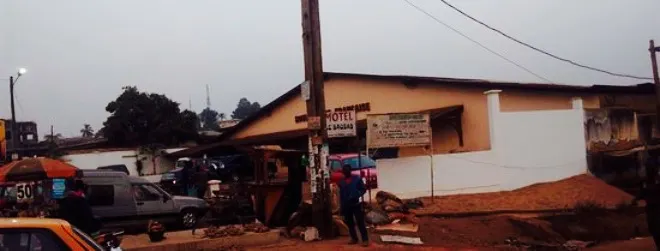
pixel 475 41
pixel 623 75
pixel 558 166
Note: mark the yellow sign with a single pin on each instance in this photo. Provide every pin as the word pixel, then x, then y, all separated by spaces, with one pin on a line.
pixel 3 141
pixel 398 130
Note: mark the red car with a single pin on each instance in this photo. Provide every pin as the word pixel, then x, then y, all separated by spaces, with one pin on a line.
pixel 366 170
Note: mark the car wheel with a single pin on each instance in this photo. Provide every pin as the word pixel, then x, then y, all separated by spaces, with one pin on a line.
pixel 188 218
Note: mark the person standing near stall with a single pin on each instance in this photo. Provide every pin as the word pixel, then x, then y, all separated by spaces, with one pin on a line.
pixel 185 177
pixel 201 179
pixel 75 209
pixel 351 189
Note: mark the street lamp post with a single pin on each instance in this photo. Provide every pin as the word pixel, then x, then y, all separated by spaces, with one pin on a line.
pixel 14 129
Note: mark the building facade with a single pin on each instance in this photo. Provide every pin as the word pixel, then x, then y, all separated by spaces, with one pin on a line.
pixel 27 134
pixel 486 135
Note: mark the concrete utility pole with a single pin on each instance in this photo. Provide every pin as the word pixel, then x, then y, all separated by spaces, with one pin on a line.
pixel 315 100
pixel 14 128
pixel 656 80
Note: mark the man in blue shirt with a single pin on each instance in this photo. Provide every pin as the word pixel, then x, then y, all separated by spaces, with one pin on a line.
pixel 351 189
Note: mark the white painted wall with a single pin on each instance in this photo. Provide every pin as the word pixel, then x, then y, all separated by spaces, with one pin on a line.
pixel 94 160
pixel 526 148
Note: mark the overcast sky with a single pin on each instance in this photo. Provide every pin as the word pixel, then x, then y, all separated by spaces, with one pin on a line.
pixel 80 53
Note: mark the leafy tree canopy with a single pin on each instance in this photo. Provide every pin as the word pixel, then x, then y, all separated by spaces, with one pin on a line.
pixel 244 109
pixel 140 118
pixel 209 118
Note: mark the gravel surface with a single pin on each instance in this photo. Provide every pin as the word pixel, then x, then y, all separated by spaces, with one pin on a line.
pixel 563 194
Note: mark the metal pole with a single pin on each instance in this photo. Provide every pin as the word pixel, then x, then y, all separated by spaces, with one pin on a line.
pixel 359 152
pixel 14 130
pixel 656 80
pixel 366 131
pixel 432 171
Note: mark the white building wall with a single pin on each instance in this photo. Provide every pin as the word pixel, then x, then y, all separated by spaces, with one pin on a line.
pixel 93 160
pixel 526 148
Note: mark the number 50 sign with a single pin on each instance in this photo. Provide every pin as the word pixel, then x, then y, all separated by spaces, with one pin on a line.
pixel 24 191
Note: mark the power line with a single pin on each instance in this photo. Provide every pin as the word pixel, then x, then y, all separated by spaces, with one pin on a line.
pixel 558 166
pixel 475 41
pixel 623 75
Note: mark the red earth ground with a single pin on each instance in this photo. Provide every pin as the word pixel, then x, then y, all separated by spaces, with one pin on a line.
pixel 340 245
pixel 643 244
pixel 559 195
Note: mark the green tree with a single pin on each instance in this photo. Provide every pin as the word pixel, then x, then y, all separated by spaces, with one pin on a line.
pixel 140 118
pixel 244 109
pixel 87 131
pixel 209 118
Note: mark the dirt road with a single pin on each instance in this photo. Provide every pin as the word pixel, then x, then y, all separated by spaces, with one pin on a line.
pixel 340 244
pixel 644 244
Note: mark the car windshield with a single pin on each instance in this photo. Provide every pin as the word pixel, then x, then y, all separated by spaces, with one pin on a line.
pixel 180 164
pixel 167 176
pixel 365 162
pixel 87 239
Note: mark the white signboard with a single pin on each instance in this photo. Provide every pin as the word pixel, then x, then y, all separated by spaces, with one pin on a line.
pixel 305 91
pixel 398 130
pixel 24 191
pixel 341 124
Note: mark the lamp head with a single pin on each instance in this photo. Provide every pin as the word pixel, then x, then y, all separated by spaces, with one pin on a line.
pixel 21 71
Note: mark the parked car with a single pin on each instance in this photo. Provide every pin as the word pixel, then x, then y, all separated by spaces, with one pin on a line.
pixel 121 201
pixel 117 168
pixel 43 234
pixel 366 169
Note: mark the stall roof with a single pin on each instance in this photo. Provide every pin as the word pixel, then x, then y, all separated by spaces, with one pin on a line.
pixel 273 138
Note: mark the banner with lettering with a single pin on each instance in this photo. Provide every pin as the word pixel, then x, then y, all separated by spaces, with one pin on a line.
pixel 398 130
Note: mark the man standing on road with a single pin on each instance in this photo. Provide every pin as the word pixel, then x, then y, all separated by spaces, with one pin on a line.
pixel 75 209
pixel 185 177
pixel 351 189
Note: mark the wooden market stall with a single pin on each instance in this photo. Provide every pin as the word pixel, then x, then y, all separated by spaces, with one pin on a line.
pixel 277 185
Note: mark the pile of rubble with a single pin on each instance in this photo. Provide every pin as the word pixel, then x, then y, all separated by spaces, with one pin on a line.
pixel 234 230
pixel 391 209
pixel 256 228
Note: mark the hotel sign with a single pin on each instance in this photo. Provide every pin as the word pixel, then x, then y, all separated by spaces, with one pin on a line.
pixel 398 130
pixel 341 124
